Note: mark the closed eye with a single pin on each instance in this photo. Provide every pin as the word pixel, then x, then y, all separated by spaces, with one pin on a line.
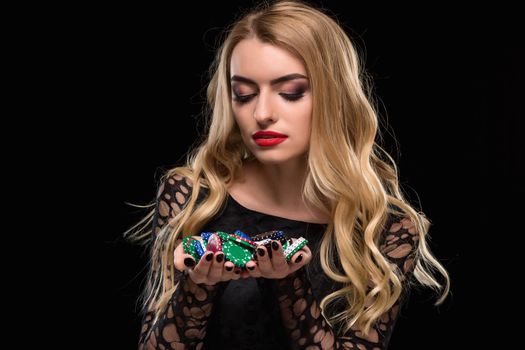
pixel 243 98
pixel 292 97
pixel 288 97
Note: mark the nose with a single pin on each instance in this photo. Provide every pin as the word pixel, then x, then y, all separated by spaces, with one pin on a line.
pixel 263 112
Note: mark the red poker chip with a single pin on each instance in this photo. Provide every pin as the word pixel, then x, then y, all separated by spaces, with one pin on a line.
pixel 253 244
pixel 214 243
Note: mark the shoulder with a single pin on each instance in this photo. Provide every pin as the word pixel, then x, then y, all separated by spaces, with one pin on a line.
pixel 173 190
pixel 172 196
pixel 170 185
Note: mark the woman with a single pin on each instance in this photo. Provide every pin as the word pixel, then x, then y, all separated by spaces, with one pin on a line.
pixel 290 147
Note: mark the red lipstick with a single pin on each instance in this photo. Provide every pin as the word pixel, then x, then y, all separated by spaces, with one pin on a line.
pixel 268 138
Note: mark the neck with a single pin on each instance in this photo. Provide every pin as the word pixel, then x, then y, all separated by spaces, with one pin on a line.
pixel 281 183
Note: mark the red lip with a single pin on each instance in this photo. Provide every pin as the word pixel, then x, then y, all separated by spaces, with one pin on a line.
pixel 269 142
pixel 267 134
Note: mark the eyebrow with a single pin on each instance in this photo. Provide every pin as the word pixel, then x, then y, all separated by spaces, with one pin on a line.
pixel 275 81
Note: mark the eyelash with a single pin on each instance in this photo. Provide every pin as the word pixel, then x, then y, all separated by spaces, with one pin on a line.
pixel 288 97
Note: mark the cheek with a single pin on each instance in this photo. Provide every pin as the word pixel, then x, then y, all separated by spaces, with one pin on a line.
pixel 241 119
pixel 305 117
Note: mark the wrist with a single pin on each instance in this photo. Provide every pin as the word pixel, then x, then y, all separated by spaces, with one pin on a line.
pixel 193 286
pixel 286 285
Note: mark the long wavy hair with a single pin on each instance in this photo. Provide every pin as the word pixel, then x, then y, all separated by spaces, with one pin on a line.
pixel 349 176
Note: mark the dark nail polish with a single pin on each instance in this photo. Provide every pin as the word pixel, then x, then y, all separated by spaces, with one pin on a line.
pixel 229 268
pixel 251 268
pixel 260 251
pixel 299 258
pixel 220 257
pixel 189 262
pixel 209 256
pixel 275 246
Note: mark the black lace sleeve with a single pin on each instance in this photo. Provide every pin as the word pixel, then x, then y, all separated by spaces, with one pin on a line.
pixel 302 316
pixel 183 323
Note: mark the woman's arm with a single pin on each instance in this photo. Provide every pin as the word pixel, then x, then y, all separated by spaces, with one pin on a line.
pixel 182 325
pixel 302 316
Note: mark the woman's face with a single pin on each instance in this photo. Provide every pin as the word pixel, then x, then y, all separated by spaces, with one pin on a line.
pixel 270 92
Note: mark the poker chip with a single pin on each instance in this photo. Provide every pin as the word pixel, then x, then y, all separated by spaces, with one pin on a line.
pixel 285 241
pixel 224 236
pixel 239 248
pixel 274 234
pixel 189 247
pixel 206 235
pixel 242 234
pixel 214 243
pixel 264 241
pixel 295 247
pixel 199 249
pixel 238 255
pixel 248 244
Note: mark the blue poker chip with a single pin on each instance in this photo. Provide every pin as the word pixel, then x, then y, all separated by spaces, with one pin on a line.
pixel 199 249
pixel 206 235
pixel 278 235
pixel 242 234
pixel 274 234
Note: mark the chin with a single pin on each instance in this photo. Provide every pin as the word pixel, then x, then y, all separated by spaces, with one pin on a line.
pixel 272 159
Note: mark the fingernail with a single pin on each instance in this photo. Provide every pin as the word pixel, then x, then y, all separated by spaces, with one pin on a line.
pixel 299 258
pixel 251 268
pixel 209 256
pixel 219 257
pixel 275 246
pixel 189 262
pixel 260 251
pixel 229 268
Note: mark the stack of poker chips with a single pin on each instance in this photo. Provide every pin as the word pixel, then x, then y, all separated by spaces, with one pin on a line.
pixel 238 247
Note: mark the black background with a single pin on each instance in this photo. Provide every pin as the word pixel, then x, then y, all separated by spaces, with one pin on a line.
pixel 448 85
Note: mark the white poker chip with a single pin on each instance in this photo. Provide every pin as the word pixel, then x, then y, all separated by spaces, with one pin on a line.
pixel 264 241
pixel 295 247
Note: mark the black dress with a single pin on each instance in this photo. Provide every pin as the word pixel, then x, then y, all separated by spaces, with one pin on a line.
pixel 260 313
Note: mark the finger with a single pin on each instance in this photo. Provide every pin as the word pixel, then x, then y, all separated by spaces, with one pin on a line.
pixel 306 253
pixel 227 272
pixel 236 273
pixel 179 257
pixel 301 258
pixel 217 267
pixel 202 268
pixel 263 261
pixel 279 262
pixel 252 270
pixel 181 260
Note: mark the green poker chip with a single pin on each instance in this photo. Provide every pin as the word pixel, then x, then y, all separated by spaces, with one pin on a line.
pixel 295 247
pixel 238 255
pixel 237 240
pixel 189 247
pixel 287 242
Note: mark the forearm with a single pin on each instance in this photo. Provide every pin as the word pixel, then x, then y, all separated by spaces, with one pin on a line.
pixel 302 318
pixel 183 323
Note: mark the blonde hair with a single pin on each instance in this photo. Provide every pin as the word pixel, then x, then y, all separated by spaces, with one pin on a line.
pixel 350 177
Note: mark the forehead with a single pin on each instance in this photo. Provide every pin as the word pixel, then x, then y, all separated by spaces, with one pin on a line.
pixel 262 62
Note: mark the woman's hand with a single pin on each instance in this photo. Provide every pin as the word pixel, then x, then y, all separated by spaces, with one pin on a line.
pixel 210 269
pixel 277 267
